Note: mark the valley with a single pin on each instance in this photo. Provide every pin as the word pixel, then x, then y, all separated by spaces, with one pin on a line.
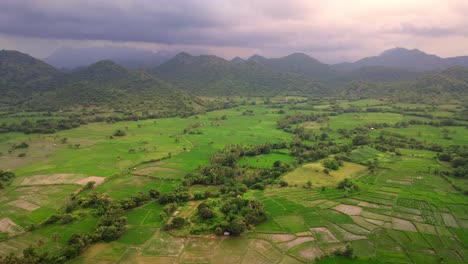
pixel 400 204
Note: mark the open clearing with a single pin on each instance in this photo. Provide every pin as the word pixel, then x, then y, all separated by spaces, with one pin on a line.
pixel 61 178
pixel 314 172
pixel 24 205
pixel 9 227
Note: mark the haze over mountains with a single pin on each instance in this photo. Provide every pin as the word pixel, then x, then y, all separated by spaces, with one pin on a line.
pixel 402 58
pixel 176 83
pixel 70 58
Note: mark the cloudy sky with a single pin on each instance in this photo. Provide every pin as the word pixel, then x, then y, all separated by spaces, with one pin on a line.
pixel 332 30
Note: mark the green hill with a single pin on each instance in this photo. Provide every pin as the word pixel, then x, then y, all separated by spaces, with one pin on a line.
pixel 29 84
pixel 21 75
pixel 450 84
pixel 211 75
pixel 109 85
pixel 297 63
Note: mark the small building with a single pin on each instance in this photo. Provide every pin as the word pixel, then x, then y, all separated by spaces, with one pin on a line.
pixel 227 233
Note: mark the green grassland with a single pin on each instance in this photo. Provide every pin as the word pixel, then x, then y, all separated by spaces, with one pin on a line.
pixel 402 213
pixel 314 172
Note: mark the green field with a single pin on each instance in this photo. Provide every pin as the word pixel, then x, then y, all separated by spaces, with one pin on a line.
pixel 402 212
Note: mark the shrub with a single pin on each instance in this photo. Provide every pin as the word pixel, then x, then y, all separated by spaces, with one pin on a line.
pixel 283 183
pixel 331 164
pixel 177 222
pixel 119 133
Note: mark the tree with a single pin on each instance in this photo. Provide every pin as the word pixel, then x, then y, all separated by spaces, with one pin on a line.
pixel 283 183
pixel 347 184
pixel 206 213
pixel 177 222
pixel 331 164
pixel 444 156
pixel 119 133
pixel 309 184
pixel 458 162
pixel 237 226
pixel 360 140
pixel 218 231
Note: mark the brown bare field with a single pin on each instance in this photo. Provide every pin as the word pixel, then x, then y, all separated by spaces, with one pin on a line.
pixel 295 242
pixel 9 227
pixel 348 209
pixel 24 205
pixel 322 234
pixel 61 178
pixel 403 225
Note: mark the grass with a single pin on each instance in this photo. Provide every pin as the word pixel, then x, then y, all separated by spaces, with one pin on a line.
pixel 353 120
pixel 430 134
pixel 314 172
pixel 403 188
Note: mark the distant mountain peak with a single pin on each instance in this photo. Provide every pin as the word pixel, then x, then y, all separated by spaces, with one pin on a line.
pixel 399 51
pixel 298 55
pixel 408 59
pixel 256 57
pixel 237 60
pixel 106 65
pixel 105 70
pixel 183 54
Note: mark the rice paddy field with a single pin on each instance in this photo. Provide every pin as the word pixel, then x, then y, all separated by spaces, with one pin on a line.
pixel 402 213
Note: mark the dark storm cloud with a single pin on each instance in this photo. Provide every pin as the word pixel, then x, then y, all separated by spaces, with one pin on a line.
pixel 168 22
pixel 427 31
pixel 338 28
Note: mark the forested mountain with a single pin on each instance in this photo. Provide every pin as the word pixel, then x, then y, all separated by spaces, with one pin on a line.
pixel 378 74
pixel 450 84
pixel 298 63
pixel 172 87
pixel 211 75
pixel 107 84
pixel 21 74
pixel 414 60
pixel 29 84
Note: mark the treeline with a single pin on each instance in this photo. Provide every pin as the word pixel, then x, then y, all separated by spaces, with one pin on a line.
pixel 51 125
pixel 418 112
pixel 42 126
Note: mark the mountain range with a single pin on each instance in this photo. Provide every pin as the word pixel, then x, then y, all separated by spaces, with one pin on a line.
pixel 176 84
pixel 70 58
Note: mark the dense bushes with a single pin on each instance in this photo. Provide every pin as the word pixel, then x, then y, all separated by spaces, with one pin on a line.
pixel 42 126
pixel 240 214
pixel 457 156
pixel 331 164
pixel 5 178
pixel 347 185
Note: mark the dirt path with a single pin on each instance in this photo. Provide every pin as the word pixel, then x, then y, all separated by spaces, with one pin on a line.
pixel 188 141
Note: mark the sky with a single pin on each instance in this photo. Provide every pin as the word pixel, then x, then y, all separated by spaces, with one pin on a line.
pixel 332 31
